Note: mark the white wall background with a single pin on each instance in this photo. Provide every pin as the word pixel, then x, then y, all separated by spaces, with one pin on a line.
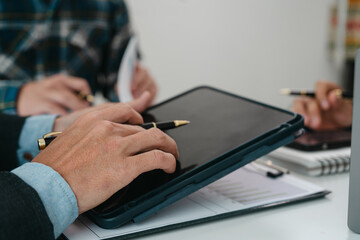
pixel 252 48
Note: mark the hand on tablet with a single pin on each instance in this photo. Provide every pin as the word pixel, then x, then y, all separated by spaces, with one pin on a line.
pixel 98 154
pixel 327 111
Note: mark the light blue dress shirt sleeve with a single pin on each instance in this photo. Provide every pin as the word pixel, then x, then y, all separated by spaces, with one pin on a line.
pixel 55 193
pixel 35 127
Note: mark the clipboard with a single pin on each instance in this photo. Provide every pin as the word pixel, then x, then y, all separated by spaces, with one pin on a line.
pixel 226 132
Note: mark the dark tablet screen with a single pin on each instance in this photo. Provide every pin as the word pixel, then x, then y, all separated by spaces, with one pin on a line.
pixel 219 123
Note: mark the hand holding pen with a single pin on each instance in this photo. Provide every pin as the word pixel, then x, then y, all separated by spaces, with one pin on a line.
pixel 56 94
pixel 328 108
pixel 49 137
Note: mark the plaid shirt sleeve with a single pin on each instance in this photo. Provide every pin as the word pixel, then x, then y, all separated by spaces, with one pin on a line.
pixel 122 32
pixel 8 95
pixel 86 39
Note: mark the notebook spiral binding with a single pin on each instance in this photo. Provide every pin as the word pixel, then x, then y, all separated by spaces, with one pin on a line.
pixel 319 163
pixel 334 165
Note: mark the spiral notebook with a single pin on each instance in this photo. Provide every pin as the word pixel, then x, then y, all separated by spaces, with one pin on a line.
pixel 316 163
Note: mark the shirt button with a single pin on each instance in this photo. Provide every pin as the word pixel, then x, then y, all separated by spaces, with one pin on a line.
pixel 28 156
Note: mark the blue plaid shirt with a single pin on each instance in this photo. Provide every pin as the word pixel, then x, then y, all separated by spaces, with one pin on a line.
pixel 40 38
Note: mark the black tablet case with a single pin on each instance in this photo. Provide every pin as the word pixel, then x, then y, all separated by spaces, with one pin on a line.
pixel 230 161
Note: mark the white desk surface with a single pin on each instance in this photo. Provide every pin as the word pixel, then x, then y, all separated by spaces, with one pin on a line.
pixel 317 219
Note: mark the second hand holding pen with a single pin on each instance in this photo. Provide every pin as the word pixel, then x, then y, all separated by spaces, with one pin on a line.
pixel 49 137
pixel 338 92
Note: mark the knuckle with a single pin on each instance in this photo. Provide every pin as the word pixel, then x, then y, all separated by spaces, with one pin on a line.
pixel 104 126
pixel 137 128
pixel 108 125
pixel 126 107
pixel 98 126
pixel 159 155
pixel 91 116
pixel 130 111
pixel 124 128
pixel 157 134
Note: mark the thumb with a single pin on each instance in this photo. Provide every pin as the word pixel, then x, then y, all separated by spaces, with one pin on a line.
pixel 142 102
pixel 335 100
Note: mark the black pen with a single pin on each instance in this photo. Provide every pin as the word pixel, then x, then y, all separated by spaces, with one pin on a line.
pixel 49 137
pixel 165 125
pixel 338 92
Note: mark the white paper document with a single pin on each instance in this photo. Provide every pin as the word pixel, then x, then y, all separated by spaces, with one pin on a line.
pixel 126 71
pixel 242 189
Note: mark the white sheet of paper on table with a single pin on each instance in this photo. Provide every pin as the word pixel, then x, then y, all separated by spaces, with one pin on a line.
pixel 126 71
pixel 242 189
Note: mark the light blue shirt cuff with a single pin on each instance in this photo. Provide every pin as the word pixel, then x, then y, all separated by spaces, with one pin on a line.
pixel 55 193
pixel 35 127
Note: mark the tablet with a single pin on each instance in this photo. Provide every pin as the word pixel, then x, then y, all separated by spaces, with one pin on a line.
pixel 226 132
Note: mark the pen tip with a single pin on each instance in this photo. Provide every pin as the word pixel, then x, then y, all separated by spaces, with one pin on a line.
pixel 285 91
pixel 90 98
pixel 181 122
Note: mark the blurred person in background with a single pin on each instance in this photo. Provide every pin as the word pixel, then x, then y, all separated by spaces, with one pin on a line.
pixel 52 49
pixel 327 111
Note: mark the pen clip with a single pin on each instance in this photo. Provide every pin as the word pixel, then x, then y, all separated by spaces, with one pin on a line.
pixel 51 134
pixel 269 168
pixel 41 141
pixel 270 164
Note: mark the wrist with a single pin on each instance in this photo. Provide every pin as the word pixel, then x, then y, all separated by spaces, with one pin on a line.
pixel 19 98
